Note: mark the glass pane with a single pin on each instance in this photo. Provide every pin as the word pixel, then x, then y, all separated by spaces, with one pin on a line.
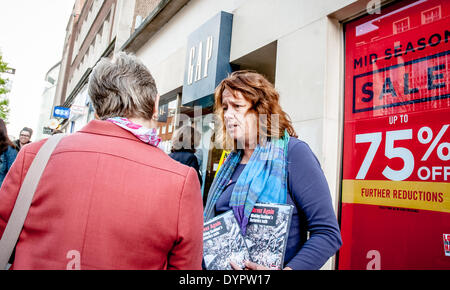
pixel 395 204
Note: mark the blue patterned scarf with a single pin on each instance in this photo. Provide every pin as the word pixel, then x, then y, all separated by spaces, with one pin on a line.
pixel 264 179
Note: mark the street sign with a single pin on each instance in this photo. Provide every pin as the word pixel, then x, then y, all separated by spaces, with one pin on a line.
pixel 80 110
pixel 61 112
pixel 47 130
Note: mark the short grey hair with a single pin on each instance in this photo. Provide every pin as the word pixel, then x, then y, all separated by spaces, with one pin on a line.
pixel 122 87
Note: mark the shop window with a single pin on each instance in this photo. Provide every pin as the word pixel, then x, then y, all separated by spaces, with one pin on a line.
pixel 396 132
pixel 100 31
pixel 167 113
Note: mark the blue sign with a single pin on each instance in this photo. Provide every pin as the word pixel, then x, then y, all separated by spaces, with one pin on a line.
pixel 208 60
pixel 61 112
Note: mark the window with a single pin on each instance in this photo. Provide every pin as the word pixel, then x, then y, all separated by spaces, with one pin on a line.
pixel 431 15
pixel 91 53
pixel 401 25
pixel 100 31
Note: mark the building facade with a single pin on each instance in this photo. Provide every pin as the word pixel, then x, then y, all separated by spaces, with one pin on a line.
pixel 94 30
pixel 47 99
pixel 347 72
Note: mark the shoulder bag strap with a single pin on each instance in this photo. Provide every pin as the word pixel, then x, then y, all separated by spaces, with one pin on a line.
pixel 24 198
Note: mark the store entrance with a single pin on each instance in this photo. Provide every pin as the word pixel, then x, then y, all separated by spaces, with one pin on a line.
pixel 208 156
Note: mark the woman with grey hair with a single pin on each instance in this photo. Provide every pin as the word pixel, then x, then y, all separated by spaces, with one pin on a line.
pixel 109 198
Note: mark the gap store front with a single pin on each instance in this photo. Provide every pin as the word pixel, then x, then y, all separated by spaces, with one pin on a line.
pixel 365 86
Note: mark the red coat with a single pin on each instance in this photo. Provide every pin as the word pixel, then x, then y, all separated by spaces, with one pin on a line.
pixel 107 201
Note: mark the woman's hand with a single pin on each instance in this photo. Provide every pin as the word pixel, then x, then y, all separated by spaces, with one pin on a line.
pixel 248 266
pixel 252 266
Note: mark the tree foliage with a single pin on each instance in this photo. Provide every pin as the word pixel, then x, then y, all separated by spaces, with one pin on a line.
pixel 4 101
pixel 4 108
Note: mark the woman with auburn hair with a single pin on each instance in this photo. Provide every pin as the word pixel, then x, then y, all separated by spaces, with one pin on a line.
pixel 8 151
pixel 268 164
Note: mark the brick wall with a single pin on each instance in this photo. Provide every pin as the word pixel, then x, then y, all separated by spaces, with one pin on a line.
pixel 143 8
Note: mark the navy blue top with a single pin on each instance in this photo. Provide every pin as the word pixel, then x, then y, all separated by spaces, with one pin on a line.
pixel 188 158
pixel 6 160
pixel 313 210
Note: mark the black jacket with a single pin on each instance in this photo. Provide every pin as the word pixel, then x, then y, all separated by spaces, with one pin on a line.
pixel 187 157
pixel 17 143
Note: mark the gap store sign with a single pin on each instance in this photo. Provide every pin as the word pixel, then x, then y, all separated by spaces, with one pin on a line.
pixel 207 60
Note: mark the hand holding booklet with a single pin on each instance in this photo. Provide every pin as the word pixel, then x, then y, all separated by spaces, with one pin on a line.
pixel 264 242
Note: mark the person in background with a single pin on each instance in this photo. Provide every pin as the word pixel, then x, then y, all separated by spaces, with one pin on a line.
pixel 268 164
pixel 8 151
pixel 184 142
pixel 24 138
pixel 109 198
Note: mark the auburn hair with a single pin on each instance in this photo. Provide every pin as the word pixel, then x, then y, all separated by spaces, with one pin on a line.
pixel 264 100
pixel 4 139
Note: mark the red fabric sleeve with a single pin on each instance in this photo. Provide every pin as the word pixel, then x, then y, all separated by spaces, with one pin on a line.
pixel 10 189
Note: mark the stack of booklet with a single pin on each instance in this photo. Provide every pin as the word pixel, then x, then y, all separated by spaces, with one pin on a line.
pixel 264 242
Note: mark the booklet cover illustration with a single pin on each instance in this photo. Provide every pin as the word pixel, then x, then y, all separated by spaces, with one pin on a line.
pixel 223 242
pixel 267 234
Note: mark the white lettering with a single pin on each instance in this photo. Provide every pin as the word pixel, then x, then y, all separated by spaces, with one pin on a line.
pixel 375 263
pixel 420 175
pixel 208 54
pixel 191 65
pixel 193 280
pixel 374 7
pixel 74 263
pixel 435 171
pixel 198 67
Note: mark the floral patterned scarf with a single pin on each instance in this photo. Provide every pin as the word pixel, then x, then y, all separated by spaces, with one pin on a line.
pixel 146 135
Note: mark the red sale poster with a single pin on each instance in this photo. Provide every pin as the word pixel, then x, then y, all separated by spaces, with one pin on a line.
pixel 395 203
